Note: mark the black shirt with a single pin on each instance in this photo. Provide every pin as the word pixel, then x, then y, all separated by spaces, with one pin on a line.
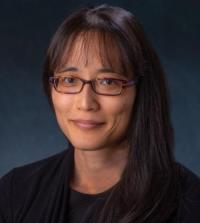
pixel 81 205
pixel 39 193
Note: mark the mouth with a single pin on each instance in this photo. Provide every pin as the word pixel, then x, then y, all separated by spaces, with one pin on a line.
pixel 87 124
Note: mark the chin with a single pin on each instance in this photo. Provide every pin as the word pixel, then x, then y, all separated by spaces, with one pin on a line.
pixel 87 146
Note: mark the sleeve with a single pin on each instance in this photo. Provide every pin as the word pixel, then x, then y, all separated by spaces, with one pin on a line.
pixel 5 198
pixel 190 205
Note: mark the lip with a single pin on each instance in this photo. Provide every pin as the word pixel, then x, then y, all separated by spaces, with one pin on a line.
pixel 87 124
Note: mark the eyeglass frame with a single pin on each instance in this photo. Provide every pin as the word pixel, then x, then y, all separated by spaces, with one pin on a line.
pixel 125 83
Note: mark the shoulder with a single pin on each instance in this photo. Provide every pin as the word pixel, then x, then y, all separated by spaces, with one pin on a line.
pixel 190 183
pixel 189 210
pixel 39 167
pixel 27 181
pixel 34 168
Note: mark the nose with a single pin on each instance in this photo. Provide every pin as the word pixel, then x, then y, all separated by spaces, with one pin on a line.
pixel 87 99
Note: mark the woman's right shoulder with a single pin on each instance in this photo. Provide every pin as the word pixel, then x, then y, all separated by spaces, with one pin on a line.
pixel 26 180
pixel 31 170
pixel 20 178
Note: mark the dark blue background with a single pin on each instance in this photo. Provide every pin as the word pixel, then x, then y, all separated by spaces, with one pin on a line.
pixel 28 130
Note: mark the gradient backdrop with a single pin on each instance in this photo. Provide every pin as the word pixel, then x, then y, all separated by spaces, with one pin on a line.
pixel 28 130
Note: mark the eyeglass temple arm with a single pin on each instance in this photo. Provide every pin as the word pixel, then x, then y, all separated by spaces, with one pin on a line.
pixel 130 83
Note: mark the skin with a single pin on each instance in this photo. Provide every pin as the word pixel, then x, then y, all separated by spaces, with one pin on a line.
pixel 100 153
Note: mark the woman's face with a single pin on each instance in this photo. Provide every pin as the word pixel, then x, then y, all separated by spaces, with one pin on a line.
pixel 88 120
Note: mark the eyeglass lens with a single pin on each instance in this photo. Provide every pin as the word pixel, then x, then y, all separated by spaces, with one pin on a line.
pixel 100 85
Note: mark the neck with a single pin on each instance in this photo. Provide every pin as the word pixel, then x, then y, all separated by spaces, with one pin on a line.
pixel 97 171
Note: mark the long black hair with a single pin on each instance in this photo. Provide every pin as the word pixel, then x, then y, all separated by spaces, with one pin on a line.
pixel 148 190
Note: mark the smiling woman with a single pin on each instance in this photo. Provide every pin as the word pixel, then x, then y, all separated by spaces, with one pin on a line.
pixel 107 89
pixel 99 107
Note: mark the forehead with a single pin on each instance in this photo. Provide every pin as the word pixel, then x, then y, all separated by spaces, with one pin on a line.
pixel 93 47
pixel 82 54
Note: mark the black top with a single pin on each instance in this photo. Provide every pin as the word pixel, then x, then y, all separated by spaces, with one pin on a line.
pixel 39 193
pixel 81 205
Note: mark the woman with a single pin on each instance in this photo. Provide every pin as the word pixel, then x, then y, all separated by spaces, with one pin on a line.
pixel 107 88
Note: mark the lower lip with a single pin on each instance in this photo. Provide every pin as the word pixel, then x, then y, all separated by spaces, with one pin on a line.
pixel 86 125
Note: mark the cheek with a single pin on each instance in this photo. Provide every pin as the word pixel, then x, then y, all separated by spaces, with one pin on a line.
pixel 119 109
pixel 62 108
pixel 60 103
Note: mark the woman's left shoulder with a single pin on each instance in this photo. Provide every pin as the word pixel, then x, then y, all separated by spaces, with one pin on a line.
pixel 191 182
pixel 189 211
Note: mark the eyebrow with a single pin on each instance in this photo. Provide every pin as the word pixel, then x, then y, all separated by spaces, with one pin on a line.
pixel 101 70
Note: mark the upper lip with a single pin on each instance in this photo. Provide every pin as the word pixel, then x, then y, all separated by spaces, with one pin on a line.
pixel 91 122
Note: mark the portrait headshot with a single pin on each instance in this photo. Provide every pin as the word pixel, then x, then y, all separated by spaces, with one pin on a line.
pixel 100 112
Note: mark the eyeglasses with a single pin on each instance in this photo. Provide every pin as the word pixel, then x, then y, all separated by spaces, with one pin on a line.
pixel 101 86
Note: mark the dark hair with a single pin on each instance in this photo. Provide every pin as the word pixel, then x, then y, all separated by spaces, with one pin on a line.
pixel 149 187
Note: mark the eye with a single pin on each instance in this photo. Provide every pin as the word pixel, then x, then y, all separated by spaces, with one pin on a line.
pixel 68 80
pixel 107 81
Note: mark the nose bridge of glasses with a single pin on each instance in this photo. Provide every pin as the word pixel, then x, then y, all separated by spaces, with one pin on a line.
pixel 90 82
pixel 87 97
